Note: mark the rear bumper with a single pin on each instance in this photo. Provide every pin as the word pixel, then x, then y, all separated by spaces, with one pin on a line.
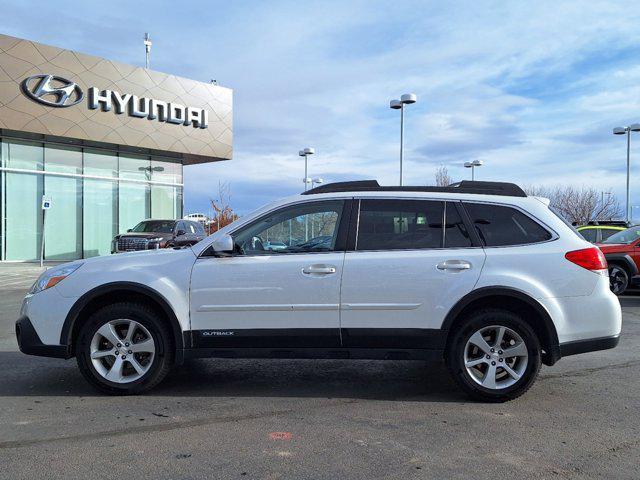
pixel 30 343
pixel 588 345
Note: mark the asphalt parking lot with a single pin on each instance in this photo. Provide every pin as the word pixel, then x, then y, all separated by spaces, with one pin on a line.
pixel 316 419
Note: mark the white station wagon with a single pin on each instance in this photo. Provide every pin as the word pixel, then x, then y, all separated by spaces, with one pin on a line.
pixel 476 274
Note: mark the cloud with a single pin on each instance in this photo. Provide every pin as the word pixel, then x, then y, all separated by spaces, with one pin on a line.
pixel 532 88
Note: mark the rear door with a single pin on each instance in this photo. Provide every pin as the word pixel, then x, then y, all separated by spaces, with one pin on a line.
pixel 411 261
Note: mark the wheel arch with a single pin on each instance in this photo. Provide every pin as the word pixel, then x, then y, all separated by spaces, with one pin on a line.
pixel 107 293
pixel 623 260
pixel 514 300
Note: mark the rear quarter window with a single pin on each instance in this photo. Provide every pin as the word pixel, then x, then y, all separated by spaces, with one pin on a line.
pixel 499 225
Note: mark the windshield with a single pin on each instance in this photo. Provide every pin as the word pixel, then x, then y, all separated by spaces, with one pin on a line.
pixel 629 235
pixel 154 226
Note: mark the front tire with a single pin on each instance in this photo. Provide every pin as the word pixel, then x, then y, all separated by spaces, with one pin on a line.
pixel 124 348
pixel 494 355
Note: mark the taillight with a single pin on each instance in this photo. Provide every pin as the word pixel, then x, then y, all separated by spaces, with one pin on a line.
pixel 589 258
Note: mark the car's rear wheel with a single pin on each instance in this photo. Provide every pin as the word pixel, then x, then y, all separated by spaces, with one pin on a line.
pixel 494 355
pixel 618 279
pixel 124 348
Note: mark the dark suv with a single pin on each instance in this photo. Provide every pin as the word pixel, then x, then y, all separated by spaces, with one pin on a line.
pixel 152 234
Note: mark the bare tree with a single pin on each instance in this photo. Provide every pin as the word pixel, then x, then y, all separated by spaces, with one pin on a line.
pixel 442 177
pixel 223 213
pixel 580 205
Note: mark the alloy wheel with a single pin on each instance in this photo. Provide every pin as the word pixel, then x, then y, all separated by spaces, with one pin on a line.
pixel 122 350
pixel 618 279
pixel 496 357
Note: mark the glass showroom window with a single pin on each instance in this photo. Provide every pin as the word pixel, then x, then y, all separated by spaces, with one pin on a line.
pixel 134 199
pixel 100 202
pixel 63 224
pixel 95 195
pixel 21 193
pixel 166 201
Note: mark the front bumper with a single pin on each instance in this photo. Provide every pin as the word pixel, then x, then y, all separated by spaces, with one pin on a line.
pixel 30 343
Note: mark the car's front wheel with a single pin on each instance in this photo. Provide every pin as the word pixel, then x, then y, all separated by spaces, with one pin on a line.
pixel 618 279
pixel 124 348
pixel 494 355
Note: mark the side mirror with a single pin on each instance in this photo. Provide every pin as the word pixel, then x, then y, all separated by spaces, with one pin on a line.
pixel 180 233
pixel 129 230
pixel 223 244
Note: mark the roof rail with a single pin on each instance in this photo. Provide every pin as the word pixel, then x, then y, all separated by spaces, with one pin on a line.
pixel 465 186
pixel 612 223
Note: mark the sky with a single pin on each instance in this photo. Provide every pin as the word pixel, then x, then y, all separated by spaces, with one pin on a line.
pixel 531 88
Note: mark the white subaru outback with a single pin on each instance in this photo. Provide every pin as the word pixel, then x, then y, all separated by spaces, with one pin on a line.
pixel 477 274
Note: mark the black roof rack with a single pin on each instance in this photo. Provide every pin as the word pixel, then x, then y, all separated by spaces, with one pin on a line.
pixel 465 186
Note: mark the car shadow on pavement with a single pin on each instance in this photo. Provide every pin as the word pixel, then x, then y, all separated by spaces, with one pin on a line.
pixel 22 375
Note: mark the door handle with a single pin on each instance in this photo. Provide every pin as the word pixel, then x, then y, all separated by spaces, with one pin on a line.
pixel 319 270
pixel 454 265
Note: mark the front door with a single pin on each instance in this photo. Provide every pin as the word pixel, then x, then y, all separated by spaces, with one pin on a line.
pixel 281 289
pixel 413 261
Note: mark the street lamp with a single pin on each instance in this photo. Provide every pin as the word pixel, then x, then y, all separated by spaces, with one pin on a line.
pixel 406 99
pixel 148 170
pixel 634 127
pixel 472 166
pixel 305 153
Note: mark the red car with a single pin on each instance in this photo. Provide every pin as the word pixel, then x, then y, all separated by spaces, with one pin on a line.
pixel 622 251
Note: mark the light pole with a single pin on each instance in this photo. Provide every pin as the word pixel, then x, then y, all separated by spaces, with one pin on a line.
pixel 147 48
pixel 634 127
pixel 305 153
pixel 472 166
pixel 314 181
pixel 406 99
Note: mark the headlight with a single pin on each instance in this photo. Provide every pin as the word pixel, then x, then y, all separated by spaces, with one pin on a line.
pixel 53 276
pixel 153 240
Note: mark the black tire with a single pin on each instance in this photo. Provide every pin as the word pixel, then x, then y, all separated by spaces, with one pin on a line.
pixel 146 316
pixel 454 355
pixel 618 279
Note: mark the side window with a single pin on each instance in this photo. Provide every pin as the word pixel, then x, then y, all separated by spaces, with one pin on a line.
pixel 180 226
pixel 606 233
pixel 500 225
pixel 305 228
pixel 455 231
pixel 399 224
pixel 590 234
pixel 199 228
pixel 192 228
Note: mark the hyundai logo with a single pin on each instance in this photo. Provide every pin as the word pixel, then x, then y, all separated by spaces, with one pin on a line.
pixel 52 90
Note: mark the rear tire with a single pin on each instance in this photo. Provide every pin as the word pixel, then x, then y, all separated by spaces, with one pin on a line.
pixel 618 279
pixel 494 355
pixel 124 349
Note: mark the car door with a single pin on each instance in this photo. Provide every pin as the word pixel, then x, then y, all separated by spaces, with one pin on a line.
pixel 289 298
pixel 411 262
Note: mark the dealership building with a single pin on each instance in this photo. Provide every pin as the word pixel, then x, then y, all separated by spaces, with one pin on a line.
pixel 89 147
